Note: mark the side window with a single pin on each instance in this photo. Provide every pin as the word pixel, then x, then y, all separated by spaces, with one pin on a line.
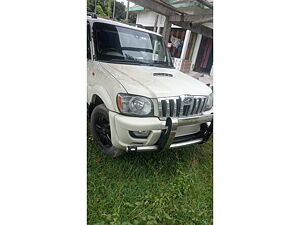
pixel 88 41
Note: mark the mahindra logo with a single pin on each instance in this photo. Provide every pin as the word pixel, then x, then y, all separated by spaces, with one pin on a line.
pixel 187 100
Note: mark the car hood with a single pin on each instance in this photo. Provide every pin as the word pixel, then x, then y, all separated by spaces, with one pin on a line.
pixel 155 82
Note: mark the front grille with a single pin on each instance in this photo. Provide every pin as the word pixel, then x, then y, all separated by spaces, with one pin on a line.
pixel 183 106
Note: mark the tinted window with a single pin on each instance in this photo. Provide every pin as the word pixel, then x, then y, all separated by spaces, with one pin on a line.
pixel 129 45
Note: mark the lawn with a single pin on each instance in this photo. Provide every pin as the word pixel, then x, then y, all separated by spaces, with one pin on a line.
pixel 173 187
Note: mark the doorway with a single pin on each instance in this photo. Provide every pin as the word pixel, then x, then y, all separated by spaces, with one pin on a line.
pixel 204 59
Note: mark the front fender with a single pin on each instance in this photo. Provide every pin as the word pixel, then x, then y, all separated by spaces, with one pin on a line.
pixel 105 97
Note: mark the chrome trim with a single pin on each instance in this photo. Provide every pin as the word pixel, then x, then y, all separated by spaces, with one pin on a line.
pixel 182 144
pixel 159 107
pixel 191 107
pixel 152 148
pixel 172 124
pixel 156 147
pixel 175 108
pixel 194 120
pixel 168 111
pixel 199 106
pixel 180 114
pixel 203 105
pixel 168 138
pixel 194 104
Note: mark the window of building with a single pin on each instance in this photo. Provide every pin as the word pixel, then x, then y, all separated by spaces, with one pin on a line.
pixel 176 40
pixel 204 59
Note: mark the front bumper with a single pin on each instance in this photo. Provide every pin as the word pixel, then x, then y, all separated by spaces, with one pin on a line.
pixel 164 134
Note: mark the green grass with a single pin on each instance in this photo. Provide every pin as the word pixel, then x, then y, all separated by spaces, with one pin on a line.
pixel 173 187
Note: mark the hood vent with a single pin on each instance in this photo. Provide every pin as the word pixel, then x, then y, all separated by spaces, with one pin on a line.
pixel 162 75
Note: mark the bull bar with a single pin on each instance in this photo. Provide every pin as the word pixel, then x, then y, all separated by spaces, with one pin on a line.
pixel 167 138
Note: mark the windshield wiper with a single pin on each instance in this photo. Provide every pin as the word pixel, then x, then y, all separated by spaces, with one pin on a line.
pixel 123 61
pixel 154 63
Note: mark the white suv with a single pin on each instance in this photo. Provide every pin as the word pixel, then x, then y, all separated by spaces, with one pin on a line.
pixel 137 100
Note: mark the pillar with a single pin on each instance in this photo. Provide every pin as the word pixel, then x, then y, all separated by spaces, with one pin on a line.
pixel 167 29
pixel 158 30
pixel 185 44
pixel 196 50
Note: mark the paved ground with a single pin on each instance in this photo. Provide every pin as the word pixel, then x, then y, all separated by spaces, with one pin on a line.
pixel 202 77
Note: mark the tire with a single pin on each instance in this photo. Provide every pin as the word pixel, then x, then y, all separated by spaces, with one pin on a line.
pixel 100 129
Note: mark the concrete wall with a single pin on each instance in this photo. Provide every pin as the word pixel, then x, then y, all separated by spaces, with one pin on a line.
pixel 147 19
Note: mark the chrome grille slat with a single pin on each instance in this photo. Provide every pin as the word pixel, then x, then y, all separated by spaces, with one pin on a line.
pixel 196 106
pixel 181 110
pixel 191 108
pixel 204 102
pixel 174 108
pixel 183 106
pixel 167 108
pixel 199 106
pixel 160 111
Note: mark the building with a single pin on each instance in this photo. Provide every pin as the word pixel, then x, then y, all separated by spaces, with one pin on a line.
pixel 192 52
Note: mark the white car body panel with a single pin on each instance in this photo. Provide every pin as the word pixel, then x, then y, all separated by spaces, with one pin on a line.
pixel 139 80
pixel 106 80
pixel 103 84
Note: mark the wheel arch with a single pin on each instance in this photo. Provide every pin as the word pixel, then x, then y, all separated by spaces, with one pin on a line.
pixel 96 99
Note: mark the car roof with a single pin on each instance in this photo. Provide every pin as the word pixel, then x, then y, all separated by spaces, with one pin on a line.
pixel 107 21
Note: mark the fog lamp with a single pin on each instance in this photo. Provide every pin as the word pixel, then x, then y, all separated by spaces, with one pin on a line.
pixel 140 133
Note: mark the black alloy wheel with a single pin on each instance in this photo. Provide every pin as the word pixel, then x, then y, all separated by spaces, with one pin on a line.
pixel 103 130
pixel 100 129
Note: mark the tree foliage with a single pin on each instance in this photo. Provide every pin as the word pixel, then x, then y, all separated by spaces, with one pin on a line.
pixel 105 8
pixel 132 18
pixel 120 13
pixel 99 11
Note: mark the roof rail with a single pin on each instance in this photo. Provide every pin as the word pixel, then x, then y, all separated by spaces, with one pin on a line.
pixel 93 15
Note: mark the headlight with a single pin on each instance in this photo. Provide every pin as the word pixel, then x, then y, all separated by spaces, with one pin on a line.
pixel 209 103
pixel 135 105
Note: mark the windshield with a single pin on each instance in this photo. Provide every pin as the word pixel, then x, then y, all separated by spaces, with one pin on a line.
pixel 125 45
